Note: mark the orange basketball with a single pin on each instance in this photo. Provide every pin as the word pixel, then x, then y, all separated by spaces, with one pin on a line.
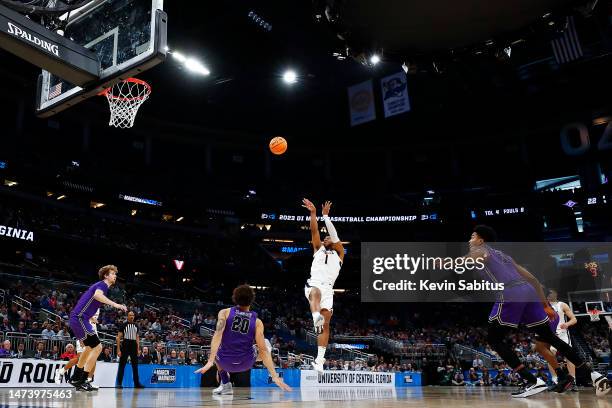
pixel 278 145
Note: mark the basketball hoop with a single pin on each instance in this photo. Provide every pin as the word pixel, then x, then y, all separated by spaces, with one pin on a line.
pixel 124 99
pixel 594 314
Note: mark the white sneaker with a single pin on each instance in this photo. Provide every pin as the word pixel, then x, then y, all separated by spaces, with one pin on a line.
pixel 529 390
pixel 59 373
pixel 94 386
pixel 601 384
pixel 318 324
pixel 224 389
pixel 318 365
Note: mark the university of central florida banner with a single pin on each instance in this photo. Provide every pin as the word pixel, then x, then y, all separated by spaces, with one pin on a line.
pixel 311 378
pixel 41 373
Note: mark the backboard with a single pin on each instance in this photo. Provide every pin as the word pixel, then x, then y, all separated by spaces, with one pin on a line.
pixel 128 36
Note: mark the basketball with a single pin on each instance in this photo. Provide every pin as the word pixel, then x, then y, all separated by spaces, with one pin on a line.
pixel 278 145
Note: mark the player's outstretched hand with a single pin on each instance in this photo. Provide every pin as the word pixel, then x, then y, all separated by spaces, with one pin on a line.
pixel 204 369
pixel 306 203
pixel 326 207
pixel 122 307
pixel 281 384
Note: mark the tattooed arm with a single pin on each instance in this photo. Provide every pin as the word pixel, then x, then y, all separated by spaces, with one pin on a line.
pixel 216 340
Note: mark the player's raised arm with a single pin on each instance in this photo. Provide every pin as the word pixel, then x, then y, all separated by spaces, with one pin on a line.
pixel 266 358
pixel 570 314
pixel 314 225
pixel 100 297
pixel 215 341
pixel 331 230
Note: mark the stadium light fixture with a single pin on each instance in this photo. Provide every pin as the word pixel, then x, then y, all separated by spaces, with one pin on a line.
pixel 196 66
pixel 190 63
pixel 179 219
pixel 374 59
pixel 61 197
pixel 10 183
pixel 290 77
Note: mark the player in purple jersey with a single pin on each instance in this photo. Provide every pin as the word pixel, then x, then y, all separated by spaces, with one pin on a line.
pixel 523 302
pixel 232 347
pixel 80 317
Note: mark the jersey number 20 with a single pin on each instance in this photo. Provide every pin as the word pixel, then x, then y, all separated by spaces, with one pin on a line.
pixel 241 324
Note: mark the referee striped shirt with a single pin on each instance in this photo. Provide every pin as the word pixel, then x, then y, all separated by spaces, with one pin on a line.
pixel 130 331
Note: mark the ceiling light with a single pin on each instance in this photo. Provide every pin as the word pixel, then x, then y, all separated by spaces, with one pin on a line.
pixel 374 59
pixel 290 77
pixel 196 66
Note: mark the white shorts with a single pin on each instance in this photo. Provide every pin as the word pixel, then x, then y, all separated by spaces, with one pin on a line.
pixel 327 294
pixel 563 336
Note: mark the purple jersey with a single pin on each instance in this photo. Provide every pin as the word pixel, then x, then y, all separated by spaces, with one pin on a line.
pixel 87 306
pixel 238 335
pixel 500 268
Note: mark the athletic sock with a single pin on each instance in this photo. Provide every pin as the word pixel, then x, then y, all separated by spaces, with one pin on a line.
pixel 527 376
pixel 560 374
pixel 315 316
pixel 76 374
pixel 224 375
pixel 321 353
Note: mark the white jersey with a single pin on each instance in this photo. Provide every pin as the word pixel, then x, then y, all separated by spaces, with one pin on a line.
pixel 326 264
pixel 557 308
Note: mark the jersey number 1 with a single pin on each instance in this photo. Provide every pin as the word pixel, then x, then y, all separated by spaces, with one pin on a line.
pixel 241 324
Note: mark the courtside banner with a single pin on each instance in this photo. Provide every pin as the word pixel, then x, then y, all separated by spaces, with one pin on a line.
pixel 311 378
pixel 41 373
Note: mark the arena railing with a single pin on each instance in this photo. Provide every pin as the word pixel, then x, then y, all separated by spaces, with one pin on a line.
pixel 21 302
pixel 466 353
pixel 181 321
pixel 206 331
pixel 49 312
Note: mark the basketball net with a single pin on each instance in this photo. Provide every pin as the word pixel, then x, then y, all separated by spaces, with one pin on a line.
pixel 124 99
pixel 594 314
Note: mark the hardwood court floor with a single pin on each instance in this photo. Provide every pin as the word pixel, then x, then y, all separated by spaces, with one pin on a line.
pixel 441 397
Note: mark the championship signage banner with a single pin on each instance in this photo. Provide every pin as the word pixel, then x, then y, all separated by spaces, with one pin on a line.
pixel 395 94
pixel 163 376
pixel 361 103
pixel 405 218
pixel 311 378
pixel 41 373
pixel 17 233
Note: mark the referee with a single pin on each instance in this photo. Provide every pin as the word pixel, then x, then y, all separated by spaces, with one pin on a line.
pixel 128 345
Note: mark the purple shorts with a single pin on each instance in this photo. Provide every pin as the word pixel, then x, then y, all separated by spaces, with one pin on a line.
pixel 81 327
pixel 518 305
pixel 233 364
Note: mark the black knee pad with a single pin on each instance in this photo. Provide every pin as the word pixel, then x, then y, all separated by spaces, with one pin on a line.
pixel 91 340
pixel 544 333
